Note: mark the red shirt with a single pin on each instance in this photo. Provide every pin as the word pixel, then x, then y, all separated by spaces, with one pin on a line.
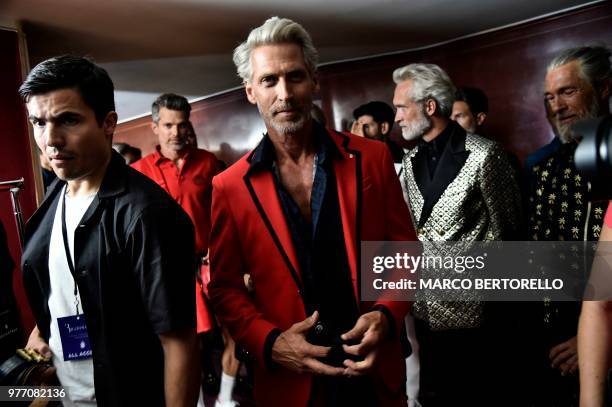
pixel 608 217
pixel 190 186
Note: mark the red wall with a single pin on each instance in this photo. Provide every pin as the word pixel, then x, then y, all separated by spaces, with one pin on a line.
pixel 509 65
pixel 15 156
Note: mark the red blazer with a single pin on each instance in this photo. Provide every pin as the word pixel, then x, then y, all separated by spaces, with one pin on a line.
pixel 249 235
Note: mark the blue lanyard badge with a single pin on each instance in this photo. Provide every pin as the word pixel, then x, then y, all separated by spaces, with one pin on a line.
pixel 73 329
pixel 75 341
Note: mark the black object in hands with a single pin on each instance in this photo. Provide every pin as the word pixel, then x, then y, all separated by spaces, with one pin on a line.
pixel 336 355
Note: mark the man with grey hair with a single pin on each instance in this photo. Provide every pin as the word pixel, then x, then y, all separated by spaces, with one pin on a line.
pixel 577 86
pixel 460 187
pixel 290 215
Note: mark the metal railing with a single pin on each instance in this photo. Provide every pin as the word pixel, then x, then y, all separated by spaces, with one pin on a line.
pixel 14 187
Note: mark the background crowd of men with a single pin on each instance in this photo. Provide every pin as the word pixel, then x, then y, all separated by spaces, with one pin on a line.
pixel 271 245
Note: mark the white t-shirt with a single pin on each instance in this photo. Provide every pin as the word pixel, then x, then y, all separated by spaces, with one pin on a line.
pixel 75 375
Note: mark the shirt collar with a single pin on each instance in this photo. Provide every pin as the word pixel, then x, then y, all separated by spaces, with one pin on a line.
pixel 264 155
pixel 439 142
pixel 159 158
pixel 115 179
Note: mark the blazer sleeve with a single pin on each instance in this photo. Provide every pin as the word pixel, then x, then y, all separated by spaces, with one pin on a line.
pixel 501 195
pixel 228 294
pixel 398 227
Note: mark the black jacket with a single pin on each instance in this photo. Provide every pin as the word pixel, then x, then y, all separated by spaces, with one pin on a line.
pixel 134 265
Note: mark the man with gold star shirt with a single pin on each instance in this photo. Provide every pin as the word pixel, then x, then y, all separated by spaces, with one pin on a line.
pixel 577 87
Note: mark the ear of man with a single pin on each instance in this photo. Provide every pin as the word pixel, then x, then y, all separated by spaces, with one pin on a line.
pixel 480 118
pixel 315 80
pixel 431 106
pixel 248 88
pixel 110 123
pixel 154 127
pixel 384 128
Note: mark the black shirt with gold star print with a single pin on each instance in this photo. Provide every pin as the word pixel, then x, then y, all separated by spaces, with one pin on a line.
pixel 559 206
pixel 559 210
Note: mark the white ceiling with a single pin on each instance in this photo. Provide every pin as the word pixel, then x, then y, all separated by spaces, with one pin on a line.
pixel 184 46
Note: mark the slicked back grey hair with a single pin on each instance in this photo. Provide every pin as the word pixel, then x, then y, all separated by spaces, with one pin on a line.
pixel 429 81
pixel 275 30
pixel 594 62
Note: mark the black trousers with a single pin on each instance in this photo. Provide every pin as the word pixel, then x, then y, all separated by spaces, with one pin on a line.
pixel 467 367
pixel 342 391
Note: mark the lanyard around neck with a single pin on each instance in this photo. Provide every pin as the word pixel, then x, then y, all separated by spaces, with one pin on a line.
pixel 68 256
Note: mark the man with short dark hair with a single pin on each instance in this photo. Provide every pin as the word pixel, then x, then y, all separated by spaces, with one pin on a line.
pixel 108 256
pixel 374 120
pixel 185 172
pixel 470 109
pixel 292 215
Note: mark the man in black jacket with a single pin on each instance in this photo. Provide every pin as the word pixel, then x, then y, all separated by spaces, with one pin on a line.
pixel 108 257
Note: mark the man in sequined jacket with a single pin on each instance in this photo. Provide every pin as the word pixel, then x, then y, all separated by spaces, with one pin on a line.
pixel 460 187
pixel 577 86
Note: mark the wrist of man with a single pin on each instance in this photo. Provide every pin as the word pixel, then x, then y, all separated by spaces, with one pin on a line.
pixel 389 316
pixel 268 345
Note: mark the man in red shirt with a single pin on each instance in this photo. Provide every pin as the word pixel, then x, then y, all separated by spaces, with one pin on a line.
pixel 185 173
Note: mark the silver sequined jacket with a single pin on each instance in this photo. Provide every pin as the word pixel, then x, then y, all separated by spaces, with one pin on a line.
pixel 482 202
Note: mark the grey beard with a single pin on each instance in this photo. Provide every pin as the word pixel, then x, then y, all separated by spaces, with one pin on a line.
pixel 289 127
pixel 417 129
pixel 565 130
pixel 285 127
